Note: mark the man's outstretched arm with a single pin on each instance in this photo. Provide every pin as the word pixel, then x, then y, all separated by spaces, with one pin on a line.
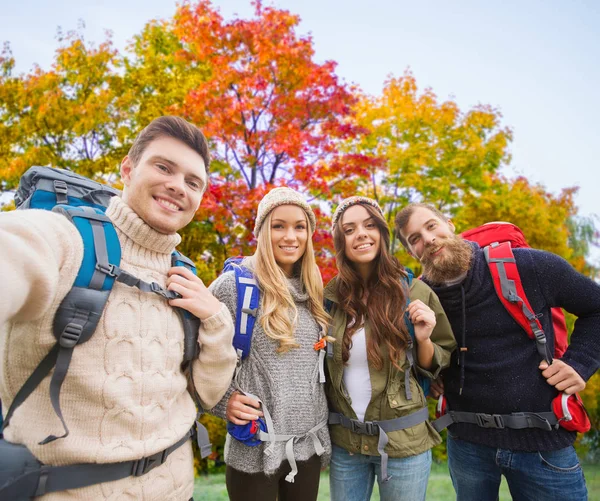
pixel 39 252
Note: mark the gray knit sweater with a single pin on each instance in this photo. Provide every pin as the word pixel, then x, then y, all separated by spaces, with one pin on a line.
pixel 287 383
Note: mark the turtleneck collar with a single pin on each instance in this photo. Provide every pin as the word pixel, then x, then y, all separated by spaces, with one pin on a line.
pixel 134 227
pixel 296 288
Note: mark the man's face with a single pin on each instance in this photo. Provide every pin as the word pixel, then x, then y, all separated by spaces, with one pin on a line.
pixel 444 255
pixel 427 235
pixel 165 188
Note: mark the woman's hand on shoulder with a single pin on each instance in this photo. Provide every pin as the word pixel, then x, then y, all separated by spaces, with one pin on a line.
pixel 423 318
pixel 241 409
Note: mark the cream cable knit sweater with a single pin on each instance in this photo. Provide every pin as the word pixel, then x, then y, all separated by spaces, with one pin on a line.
pixel 124 396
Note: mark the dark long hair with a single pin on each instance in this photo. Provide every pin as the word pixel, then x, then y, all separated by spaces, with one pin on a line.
pixel 386 298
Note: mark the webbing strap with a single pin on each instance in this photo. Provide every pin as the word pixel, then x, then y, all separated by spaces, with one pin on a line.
pixel 132 281
pixel 271 438
pixel 507 283
pixel 321 362
pixel 515 421
pixel 248 300
pixel 60 371
pixel 381 429
pixel 101 251
pixel 411 363
pixel 49 479
pixel 248 291
pixel 36 377
pixel 60 190
pixel 289 446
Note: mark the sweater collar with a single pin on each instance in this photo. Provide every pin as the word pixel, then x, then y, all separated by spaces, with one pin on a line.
pixel 134 227
pixel 296 288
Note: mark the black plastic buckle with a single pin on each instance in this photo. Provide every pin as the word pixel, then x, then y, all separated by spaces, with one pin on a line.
pixel 167 294
pixel 144 465
pixel 535 421
pixel 366 428
pixel 70 335
pixel 106 269
pixel 489 420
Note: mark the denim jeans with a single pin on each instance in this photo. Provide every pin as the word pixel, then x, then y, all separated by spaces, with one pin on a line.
pixel 476 472
pixel 352 476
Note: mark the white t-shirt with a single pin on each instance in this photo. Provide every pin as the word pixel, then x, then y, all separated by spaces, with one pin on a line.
pixel 356 375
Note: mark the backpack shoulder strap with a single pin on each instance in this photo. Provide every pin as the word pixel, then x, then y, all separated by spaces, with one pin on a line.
pixel 78 314
pixel 507 282
pixel 423 381
pixel 191 324
pixel 248 300
pixel 328 306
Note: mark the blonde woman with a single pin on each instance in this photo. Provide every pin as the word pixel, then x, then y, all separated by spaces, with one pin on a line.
pixel 280 383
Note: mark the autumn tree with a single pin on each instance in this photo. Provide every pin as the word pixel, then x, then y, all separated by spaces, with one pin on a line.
pixel 274 115
pixel 68 116
pixel 432 150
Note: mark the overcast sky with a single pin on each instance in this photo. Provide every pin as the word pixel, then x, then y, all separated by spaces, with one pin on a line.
pixel 537 61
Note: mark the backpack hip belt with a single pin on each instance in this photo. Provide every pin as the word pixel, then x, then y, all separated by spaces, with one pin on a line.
pixel 269 436
pixel 31 478
pixel 516 421
pixel 381 429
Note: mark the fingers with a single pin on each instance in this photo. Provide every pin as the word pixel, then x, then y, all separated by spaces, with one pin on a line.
pixel 182 271
pixel 437 387
pixel 434 393
pixel 184 276
pixel 575 388
pixel 420 312
pixel 241 409
pixel 562 376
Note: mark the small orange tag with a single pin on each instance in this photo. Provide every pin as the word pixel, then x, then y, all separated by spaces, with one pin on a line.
pixel 319 345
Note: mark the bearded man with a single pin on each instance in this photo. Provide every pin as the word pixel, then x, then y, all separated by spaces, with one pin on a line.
pixel 497 369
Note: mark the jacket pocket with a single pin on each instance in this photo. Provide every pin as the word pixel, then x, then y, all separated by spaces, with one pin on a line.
pixel 396 397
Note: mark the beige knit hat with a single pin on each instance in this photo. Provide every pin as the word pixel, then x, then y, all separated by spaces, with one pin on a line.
pixel 282 196
pixel 349 202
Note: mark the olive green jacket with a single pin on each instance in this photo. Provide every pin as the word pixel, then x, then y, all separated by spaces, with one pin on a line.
pixel 388 397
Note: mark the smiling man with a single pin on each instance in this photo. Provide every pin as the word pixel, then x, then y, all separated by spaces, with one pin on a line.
pixel 125 397
pixel 497 387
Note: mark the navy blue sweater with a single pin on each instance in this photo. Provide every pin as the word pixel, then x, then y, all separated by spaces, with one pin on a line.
pixel 501 364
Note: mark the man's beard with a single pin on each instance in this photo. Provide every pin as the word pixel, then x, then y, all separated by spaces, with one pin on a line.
pixel 454 261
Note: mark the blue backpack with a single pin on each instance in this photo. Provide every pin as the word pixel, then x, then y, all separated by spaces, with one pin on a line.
pixel 84 203
pixel 248 300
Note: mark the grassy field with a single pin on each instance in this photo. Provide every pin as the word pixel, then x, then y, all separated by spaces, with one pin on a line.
pixel 212 487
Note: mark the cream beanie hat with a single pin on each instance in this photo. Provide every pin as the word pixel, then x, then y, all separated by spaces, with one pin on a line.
pixel 349 202
pixel 282 196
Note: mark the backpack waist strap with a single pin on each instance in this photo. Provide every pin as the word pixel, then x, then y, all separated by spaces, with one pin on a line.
pixel 271 437
pixel 380 428
pixel 45 479
pixel 515 421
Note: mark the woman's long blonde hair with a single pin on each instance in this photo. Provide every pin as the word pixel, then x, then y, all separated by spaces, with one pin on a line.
pixel 279 315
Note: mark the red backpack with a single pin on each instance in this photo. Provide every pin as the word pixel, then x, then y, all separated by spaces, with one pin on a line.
pixel 497 240
pixel 498 231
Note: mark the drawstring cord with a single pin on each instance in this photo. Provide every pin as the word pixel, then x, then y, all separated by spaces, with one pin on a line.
pixel 463 342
